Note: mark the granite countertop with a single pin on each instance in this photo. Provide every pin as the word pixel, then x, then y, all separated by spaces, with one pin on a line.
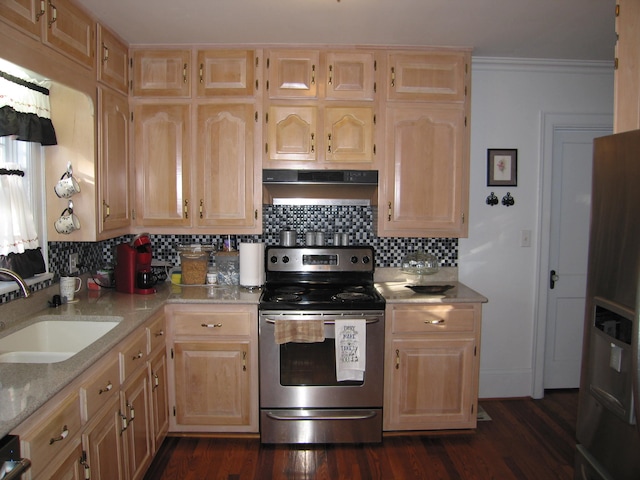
pixel 24 387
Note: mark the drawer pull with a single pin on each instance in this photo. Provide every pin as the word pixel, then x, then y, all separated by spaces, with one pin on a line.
pixel 63 435
pixel 106 389
pixel 397 359
pixel 156 381
pixel 159 334
pixel 137 356
pixel 437 321
pixel 211 325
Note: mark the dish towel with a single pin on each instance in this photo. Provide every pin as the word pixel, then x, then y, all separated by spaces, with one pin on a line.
pixel 351 349
pixel 300 331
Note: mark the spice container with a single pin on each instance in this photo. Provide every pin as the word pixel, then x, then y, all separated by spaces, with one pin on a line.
pixel 194 260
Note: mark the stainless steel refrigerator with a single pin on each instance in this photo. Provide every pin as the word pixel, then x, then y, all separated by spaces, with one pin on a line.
pixel 607 431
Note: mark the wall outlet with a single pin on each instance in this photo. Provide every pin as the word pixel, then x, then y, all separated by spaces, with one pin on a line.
pixel 73 263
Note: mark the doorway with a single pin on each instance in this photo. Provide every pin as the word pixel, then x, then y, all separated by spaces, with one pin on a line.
pixel 564 228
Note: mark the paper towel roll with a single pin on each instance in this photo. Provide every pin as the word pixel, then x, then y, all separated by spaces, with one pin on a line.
pixel 251 264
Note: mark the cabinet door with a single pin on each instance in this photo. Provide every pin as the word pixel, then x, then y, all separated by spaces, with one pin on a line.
pixel 103 444
pixel 226 73
pixel 70 31
pixel 137 436
pixel 163 156
pixel 293 73
pixel 72 468
pixel 113 60
pixel 350 76
pixel 113 144
pixel 426 175
pixel 159 399
pixel 213 383
pixel 26 15
pixel 226 173
pixel 349 135
pixel 432 384
pixel 434 76
pixel 292 134
pixel 161 73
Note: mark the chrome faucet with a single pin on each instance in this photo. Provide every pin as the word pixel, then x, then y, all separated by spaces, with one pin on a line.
pixel 18 279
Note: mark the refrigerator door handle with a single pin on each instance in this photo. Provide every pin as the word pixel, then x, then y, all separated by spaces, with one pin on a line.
pixel 635 356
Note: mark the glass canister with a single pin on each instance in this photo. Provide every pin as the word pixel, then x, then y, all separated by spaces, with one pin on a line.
pixel 194 261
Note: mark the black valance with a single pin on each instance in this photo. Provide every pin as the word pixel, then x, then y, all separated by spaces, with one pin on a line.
pixel 24 111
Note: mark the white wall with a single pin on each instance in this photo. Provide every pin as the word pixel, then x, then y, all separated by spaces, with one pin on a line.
pixel 509 98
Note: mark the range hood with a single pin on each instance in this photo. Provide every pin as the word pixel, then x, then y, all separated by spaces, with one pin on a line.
pixel 320 187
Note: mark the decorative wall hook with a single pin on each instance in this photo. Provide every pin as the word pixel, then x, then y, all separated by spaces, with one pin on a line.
pixel 508 200
pixel 492 200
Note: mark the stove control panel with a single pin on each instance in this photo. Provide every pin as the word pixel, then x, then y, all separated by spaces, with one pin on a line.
pixel 320 259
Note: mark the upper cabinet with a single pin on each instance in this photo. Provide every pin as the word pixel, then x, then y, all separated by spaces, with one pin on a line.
pixel 227 73
pixel 626 102
pixel 59 24
pixel 113 60
pixel 320 109
pixel 162 73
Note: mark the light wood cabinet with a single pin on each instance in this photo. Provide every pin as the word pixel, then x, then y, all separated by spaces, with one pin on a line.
pixel 135 405
pixel 112 60
pixel 102 442
pixel 350 75
pixel 59 24
pixel 626 102
pixel 73 467
pixel 227 73
pixel 213 370
pixel 424 188
pixel 431 366
pixel 114 208
pixel 293 73
pixel 159 398
pixel 162 73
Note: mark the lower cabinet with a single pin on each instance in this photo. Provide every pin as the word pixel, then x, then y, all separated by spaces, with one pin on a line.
pixel 108 423
pixel 432 357
pixel 213 368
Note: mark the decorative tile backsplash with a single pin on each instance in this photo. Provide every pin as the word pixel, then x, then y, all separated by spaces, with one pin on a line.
pixel 356 221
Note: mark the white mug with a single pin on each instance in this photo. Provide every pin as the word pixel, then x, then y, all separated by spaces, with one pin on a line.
pixel 67 186
pixel 69 286
pixel 68 222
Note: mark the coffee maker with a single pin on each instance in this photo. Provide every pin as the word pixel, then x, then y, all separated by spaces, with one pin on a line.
pixel 133 266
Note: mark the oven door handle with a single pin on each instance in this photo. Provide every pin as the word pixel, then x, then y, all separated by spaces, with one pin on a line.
pixel 333 416
pixel 326 322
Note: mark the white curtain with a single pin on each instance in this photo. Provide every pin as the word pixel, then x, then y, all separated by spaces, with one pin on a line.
pixel 17 227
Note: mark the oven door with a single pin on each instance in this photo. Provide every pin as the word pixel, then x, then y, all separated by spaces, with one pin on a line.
pixel 303 375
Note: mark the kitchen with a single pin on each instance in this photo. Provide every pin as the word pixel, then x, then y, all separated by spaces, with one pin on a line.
pixel 507 365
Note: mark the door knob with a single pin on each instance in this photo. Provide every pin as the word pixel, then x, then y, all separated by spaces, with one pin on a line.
pixel 553 278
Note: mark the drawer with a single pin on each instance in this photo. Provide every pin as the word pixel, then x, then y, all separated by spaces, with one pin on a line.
pixel 133 354
pixel 431 319
pixel 218 323
pixel 96 392
pixel 56 430
pixel 157 334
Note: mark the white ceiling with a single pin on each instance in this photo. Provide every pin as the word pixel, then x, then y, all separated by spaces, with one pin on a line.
pixel 557 29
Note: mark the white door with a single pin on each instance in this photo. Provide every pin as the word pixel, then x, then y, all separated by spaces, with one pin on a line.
pixel 568 248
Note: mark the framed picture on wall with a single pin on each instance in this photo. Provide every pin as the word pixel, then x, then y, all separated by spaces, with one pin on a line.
pixel 502 167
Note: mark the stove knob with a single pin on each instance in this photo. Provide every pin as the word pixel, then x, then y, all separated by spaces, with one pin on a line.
pixel 285 259
pixel 354 259
pixel 365 259
pixel 274 259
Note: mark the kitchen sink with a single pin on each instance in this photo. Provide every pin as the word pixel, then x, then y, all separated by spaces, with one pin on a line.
pixel 54 338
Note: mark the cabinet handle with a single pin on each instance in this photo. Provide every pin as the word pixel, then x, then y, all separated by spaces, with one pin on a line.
pixel 437 321
pixel 201 207
pixel 313 74
pixel 389 211
pixel 156 381
pixel 313 143
pixel 393 76
pixel 397 359
pixel 62 436
pixel 125 424
pixel 184 73
pixel 159 334
pixel 106 210
pixel 186 209
pixel 329 143
pixel 201 73
pixel 244 361
pixel 41 12
pixel 211 325
pixel 255 214
pixel 132 412
pixel 54 14
pixel 87 470
pixel 330 74
pixel 105 53
pixel 106 389
pixel 137 356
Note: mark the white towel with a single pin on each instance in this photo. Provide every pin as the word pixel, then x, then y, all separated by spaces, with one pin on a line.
pixel 351 349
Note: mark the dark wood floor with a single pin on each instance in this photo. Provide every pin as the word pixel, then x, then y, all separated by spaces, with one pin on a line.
pixel 525 439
